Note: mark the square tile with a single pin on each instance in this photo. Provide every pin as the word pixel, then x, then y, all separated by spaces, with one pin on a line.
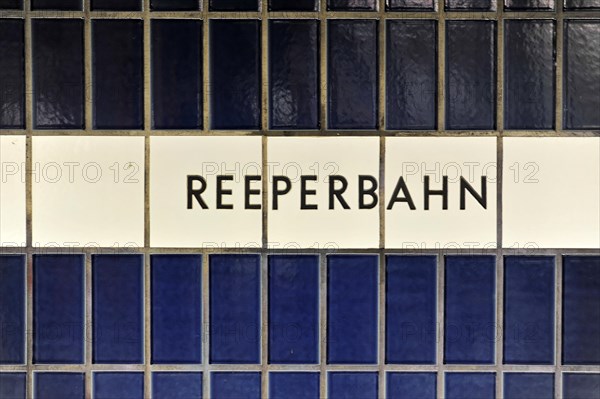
pixel 411 385
pixel 581 386
pixel 118 385
pixel 13 385
pixel 59 385
pixel 351 5
pixel 293 5
pixel 352 385
pixel 116 5
pixel 62 5
pixel 12 310
pixel 528 385
pixel 226 385
pixel 11 4
pixel 174 5
pixel 470 385
pixel 233 5
pixel 410 5
pixel 12 190
pixel 536 5
pixel 294 385
pixel 167 385
pixel 12 73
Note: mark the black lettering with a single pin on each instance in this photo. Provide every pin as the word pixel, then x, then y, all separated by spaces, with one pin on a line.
pixel 401 187
pixel 195 193
pixel 465 186
pixel 304 192
pixel 371 192
pixel 248 181
pixel 277 191
pixel 221 192
pixel 443 192
pixel 336 193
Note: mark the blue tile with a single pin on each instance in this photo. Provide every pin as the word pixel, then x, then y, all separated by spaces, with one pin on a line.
pixel 581 310
pixel 58 308
pixel 471 75
pixel 173 5
pixel 13 385
pixel 118 74
pixel 411 385
pixel 12 309
pixel 528 386
pixel 12 74
pixel 176 309
pixel 11 5
pixel 352 74
pixel 410 5
pixel 177 385
pixel 582 4
pixel 529 74
pixel 294 74
pixel 411 75
pixel 235 74
pixel 343 385
pixel 63 5
pixel 470 386
pixel 410 309
pixel 294 309
pixel 581 74
pixel 528 310
pixel 59 385
pixel 235 385
pixel 176 74
pixel 58 83
pixel 292 5
pixel 116 5
pixel 118 308
pixel 235 319
pixel 470 328
pixel 520 5
pixel 352 284
pixel 470 5
pixel 581 386
pixel 234 5
pixel 351 5
pixel 294 385
pixel 118 385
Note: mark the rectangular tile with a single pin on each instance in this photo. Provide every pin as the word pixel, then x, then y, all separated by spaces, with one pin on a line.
pixel 118 74
pixel 12 74
pixel 12 191
pixel 470 310
pixel 235 72
pixel 167 385
pixel 411 75
pixel 59 385
pixel 528 310
pixel 411 385
pixel 581 77
pixel 293 385
pixel 58 75
pixel 173 5
pixel 292 5
pixel 352 385
pixel 351 5
pixel 58 309
pixel 294 74
pixel 410 5
pixel 118 308
pixel 352 74
pixel 529 74
pixel 581 310
pixel 12 309
pixel 528 385
pixel 233 5
pixel 352 296
pixel 520 5
pixel 63 5
pixel 410 312
pixel 118 385
pixel 470 385
pixel 234 319
pixel 116 5
pixel 294 309
pixel 582 4
pixel 13 385
pixel 11 4
pixel 176 74
pixel 226 385
pixel 581 386
pixel 470 5
pixel 176 309
pixel 470 75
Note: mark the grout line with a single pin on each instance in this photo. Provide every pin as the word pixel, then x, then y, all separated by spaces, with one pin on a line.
pixel 88 327
pixel 323 325
pixel 382 320
pixel 559 63
pixel 323 64
pixel 440 325
pixel 29 329
pixel 558 300
pixel 264 330
pixel 500 68
pixel 147 368
pixel 205 333
pixel 205 68
pixel 499 341
pixel 441 67
pixel 88 66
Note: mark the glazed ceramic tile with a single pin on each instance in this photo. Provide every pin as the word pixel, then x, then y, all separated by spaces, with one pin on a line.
pixel 62 5
pixel 234 5
pixel 12 74
pixel 118 385
pixel 470 385
pixel 519 5
pixel 410 5
pixel 59 385
pixel 11 4
pixel 528 385
pixel 12 191
pixel 470 5
pixel 581 386
pixel 116 5
pixel 292 5
pixel 352 385
pixel 167 385
pixel 12 310
pixel 351 5
pixel 227 385
pixel 411 385
pixel 13 385
pixel 173 5
pixel 296 385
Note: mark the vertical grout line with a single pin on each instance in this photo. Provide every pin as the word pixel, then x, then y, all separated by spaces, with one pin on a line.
pixel 264 319
pixel 323 324
pixel 559 60
pixel 323 65
pixel 264 57
pixel 382 321
pixel 88 66
pixel 88 331
pixel 440 325
pixel 441 67
pixel 558 327
pixel 147 326
pixel 29 328
pixel 499 330
pixel 205 68
pixel 265 195
pixel 205 320
pixel 500 68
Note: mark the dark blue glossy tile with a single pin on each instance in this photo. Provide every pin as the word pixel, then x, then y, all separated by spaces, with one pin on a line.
pixel 234 5
pixel 235 74
pixel 235 319
pixel 11 5
pixel 351 5
pixel 58 308
pixel 529 74
pixel 352 284
pixel 235 385
pixel 116 5
pixel 59 385
pixel 528 310
pixel 177 385
pixel 13 385
pixel 470 5
pixel 410 312
pixel 176 308
pixel 294 74
pixel 343 385
pixel 12 74
pixel 528 386
pixel 581 386
pixel 58 83
pixel 173 5
pixel 352 74
pixel 63 5
pixel 118 385
pixel 581 310
pixel 582 4
pixel 293 309
pixel 519 5
pixel 411 385
pixel 12 309
pixel 470 75
pixel 410 5
pixel 581 74
pixel 118 74
pixel 470 327
pixel 294 385
pixel 470 386
pixel 118 303
pixel 292 5
pixel 411 75
pixel 176 74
